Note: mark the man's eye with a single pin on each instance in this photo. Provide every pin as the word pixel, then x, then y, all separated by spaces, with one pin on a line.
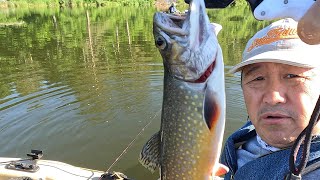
pixel 291 76
pixel 260 78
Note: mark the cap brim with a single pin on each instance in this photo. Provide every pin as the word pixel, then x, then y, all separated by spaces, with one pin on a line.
pixel 293 58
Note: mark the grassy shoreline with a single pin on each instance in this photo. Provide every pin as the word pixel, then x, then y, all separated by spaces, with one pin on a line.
pixel 69 4
pixel 8 4
pixel 161 5
pixel 10 7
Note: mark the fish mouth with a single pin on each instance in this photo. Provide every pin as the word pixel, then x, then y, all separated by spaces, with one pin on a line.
pixel 187 43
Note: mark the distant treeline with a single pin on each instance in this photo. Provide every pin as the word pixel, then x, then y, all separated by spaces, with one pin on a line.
pixel 72 3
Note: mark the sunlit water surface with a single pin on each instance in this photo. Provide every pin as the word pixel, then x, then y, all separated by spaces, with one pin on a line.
pixel 82 84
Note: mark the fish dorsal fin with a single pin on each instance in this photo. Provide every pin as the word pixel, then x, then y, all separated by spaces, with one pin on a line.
pixel 150 154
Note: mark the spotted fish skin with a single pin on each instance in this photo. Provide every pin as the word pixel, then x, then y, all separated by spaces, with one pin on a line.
pixel 188 145
pixel 186 139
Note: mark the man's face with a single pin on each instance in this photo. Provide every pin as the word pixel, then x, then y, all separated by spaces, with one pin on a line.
pixel 280 100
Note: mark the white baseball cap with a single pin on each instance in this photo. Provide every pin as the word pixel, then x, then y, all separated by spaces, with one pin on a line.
pixel 279 43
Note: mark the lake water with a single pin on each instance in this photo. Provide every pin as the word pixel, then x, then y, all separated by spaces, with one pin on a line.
pixel 81 84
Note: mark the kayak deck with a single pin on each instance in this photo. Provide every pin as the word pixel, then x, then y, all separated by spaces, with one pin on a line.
pixel 46 170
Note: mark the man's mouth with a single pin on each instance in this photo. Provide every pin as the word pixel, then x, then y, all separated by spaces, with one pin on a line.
pixel 274 118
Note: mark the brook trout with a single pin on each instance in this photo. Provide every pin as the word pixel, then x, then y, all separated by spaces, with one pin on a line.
pixel 188 145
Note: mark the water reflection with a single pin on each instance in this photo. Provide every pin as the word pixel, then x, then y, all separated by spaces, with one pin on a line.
pixel 81 84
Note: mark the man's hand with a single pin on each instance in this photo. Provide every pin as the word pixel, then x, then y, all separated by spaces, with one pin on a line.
pixel 214 3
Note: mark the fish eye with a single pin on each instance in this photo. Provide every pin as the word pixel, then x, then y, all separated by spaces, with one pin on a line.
pixel 160 42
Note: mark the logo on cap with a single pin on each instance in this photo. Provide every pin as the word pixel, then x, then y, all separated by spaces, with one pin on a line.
pixel 273 35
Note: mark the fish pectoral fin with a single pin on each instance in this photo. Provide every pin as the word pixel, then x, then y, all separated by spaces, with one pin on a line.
pixel 150 154
pixel 221 170
pixel 211 109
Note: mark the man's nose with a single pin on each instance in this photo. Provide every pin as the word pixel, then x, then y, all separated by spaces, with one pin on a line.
pixel 274 93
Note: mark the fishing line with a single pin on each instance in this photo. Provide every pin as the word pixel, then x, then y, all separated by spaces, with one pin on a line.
pixel 131 143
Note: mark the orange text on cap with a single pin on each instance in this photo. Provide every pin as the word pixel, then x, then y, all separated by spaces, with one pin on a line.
pixel 274 35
